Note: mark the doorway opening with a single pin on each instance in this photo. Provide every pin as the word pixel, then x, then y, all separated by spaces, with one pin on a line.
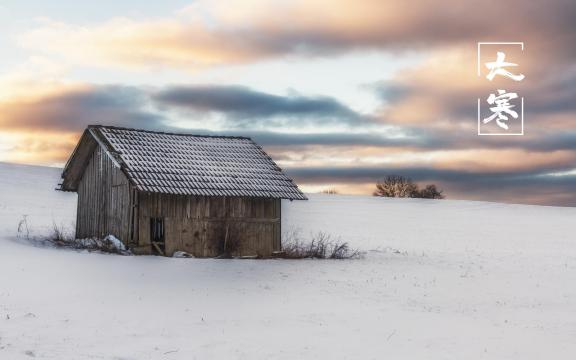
pixel 157 236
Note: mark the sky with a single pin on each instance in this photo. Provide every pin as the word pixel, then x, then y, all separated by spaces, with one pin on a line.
pixel 340 93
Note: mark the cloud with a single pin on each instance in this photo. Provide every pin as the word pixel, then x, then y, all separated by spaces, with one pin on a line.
pixel 244 107
pixel 215 32
pixel 247 112
pixel 47 147
pixel 408 138
pixel 72 109
pixel 34 77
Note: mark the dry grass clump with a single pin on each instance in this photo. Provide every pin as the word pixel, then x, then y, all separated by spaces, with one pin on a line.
pixel 59 237
pixel 319 246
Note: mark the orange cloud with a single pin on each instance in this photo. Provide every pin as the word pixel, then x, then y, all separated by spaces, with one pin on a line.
pixel 213 32
pixel 33 147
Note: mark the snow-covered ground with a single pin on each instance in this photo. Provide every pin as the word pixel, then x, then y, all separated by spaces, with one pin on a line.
pixel 440 280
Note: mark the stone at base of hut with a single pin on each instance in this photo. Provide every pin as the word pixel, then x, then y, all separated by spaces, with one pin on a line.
pixel 182 254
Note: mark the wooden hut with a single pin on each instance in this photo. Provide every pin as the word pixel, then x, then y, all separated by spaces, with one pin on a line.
pixel 163 192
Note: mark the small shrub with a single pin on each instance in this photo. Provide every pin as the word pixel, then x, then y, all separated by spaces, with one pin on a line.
pixel 343 251
pixel 431 192
pixel 59 235
pixel 320 246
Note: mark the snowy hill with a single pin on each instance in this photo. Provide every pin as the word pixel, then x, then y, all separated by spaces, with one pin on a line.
pixel 440 280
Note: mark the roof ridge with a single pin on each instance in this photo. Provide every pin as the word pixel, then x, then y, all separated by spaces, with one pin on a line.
pixel 168 133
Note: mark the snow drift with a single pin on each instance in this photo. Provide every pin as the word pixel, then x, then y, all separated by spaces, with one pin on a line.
pixel 441 280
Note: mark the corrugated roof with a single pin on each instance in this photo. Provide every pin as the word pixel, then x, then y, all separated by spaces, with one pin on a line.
pixel 187 164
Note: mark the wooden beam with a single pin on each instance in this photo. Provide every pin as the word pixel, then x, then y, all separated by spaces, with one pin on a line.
pixel 157 247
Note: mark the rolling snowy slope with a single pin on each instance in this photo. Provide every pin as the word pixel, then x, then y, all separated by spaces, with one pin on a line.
pixel 440 280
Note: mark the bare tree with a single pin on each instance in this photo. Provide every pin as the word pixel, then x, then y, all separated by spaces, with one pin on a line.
pixel 396 186
pixel 403 187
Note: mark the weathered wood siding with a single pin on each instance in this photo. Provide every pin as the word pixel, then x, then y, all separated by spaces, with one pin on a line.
pixel 198 225
pixel 104 200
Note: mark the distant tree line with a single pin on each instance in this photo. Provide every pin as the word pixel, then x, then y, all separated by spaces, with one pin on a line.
pixel 330 191
pixel 403 187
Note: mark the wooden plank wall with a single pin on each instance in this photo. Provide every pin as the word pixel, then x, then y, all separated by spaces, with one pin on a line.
pixel 104 200
pixel 198 224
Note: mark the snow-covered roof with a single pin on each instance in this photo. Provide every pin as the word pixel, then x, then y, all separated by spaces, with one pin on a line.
pixel 187 164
